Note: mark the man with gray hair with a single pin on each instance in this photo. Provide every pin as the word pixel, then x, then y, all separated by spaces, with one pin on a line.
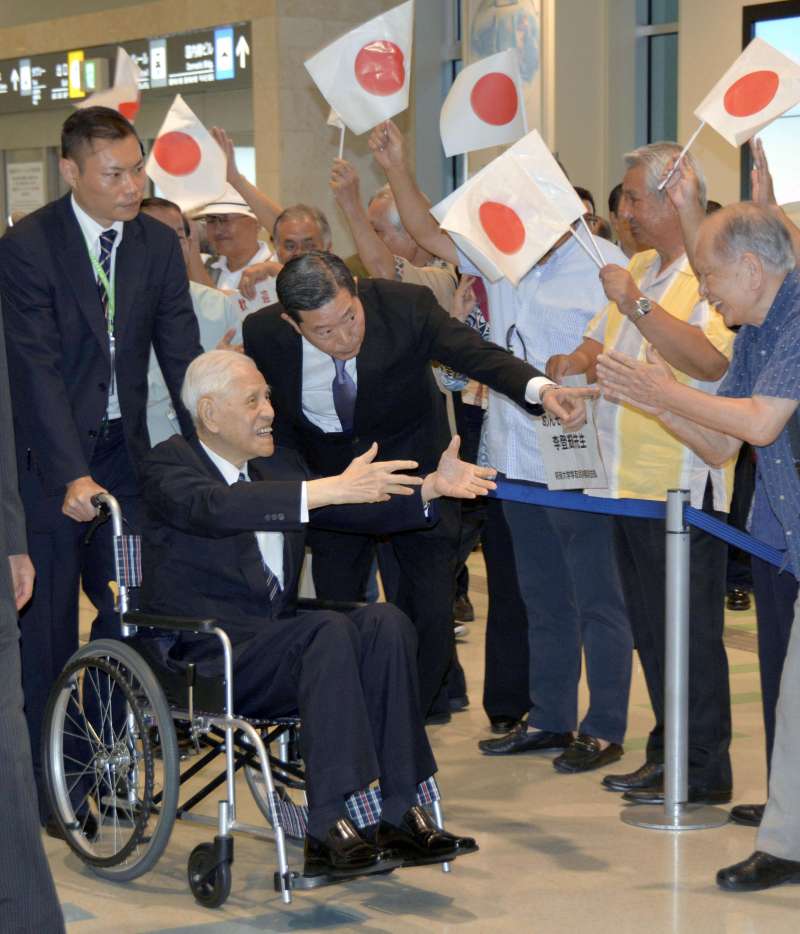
pixel 223 539
pixel 657 301
pixel 744 259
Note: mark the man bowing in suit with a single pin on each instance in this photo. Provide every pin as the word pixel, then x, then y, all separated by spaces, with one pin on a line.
pixel 88 284
pixel 348 367
pixel 223 538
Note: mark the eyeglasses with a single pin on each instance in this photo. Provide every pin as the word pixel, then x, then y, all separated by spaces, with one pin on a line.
pixel 515 343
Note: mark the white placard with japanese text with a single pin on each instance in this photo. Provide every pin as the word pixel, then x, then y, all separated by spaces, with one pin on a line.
pixel 571 459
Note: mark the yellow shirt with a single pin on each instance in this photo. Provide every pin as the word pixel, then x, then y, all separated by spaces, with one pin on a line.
pixel 642 459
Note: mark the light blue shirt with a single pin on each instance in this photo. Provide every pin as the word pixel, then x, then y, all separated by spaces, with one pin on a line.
pixel 546 314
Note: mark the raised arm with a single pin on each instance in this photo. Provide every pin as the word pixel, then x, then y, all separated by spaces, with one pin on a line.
pixel 388 148
pixel 682 345
pixel 375 255
pixel 763 192
pixel 264 208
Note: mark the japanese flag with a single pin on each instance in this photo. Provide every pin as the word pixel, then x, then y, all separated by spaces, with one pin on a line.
pixel 334 120
pixel 186 163
pixel 365 74
pixel 761 84
pixel 507 218
pixel 485 106
pixel 124 95
pixel 545 172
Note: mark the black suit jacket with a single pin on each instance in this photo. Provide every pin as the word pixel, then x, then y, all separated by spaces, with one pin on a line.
pixel 58 351
pixel 398 403
pixel 199 554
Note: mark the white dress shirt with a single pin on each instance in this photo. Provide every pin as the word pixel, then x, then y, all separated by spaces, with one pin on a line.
pixel 91 234
pixel 319 371
pixel 266 293
pixel 270 544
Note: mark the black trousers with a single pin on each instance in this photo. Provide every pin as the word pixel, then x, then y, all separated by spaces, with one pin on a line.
pixel 775 593
pixel 352 678
pixel 49 624
pixel 425 590
pixel 506 683
pixel 641 555
pixel 28 900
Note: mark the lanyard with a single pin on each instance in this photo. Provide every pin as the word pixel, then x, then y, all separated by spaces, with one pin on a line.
pixel 110 303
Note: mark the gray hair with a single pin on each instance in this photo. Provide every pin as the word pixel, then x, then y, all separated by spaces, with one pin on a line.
pixel 210 374
pixel 300 211
pixel 393 215
pixel 751 228
pixel 655 157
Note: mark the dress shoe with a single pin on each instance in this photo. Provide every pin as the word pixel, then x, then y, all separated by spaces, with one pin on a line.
pixel 737 599
pixel 697 795
pixel 86 824
pixel 758 871
pixel 460 629
pixel 521 739
pixel 463 610
pixel 503 724
pixel 419 842
pixel 748 814
pixel 585 753
pixel 458 703
pixel 649 775
pixel 438 716
pixel 344 852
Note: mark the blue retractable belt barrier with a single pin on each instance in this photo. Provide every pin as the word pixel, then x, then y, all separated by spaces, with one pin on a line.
pixel 521 492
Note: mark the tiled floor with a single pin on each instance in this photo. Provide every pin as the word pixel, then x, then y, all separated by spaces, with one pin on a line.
pixel 554 857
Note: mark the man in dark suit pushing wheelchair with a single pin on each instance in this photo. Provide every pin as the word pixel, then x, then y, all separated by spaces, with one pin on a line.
pixel 223 538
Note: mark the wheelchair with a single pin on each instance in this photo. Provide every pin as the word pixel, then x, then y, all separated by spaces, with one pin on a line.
pixel 112 763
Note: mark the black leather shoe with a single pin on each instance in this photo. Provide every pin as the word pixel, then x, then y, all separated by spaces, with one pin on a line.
pixel 463 610
pixel 758 871
pixel 458 703
pixel 86 824
pixel 438 716
pixel 521 739
pixel 503 724
pixel 419 842
pixel 697 795
pixel 585 753
pixel 750 815
pixel 649 775
pixel 343 852
pixel 737 599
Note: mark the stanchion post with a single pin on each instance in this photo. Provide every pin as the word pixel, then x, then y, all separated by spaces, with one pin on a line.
pixel 676 813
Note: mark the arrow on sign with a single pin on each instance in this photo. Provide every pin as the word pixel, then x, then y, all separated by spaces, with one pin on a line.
pixel 242 50
pixel 15 79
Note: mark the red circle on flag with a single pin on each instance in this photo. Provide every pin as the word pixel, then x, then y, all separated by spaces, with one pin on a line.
pixel 380 68
pixel 494 99
pixel 177 153
pixel 751 93
pixel 129 109
pixel 502 226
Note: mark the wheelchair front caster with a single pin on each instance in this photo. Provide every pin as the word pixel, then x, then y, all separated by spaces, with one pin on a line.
pixel 209 872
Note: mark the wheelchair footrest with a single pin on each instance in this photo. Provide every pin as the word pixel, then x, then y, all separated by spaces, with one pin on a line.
pixel 296 880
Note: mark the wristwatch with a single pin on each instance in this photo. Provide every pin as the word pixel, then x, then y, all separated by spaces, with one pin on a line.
pixel 643 307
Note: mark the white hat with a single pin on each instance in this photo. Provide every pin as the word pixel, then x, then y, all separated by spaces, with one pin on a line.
pixel 229 202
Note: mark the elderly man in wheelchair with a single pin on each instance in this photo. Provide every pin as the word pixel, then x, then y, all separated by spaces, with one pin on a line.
pixel 222 547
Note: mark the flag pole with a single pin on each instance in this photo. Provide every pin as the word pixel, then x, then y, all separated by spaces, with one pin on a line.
pixel 678 161
pixel 586 249
pixel 592 239
pixel 341 142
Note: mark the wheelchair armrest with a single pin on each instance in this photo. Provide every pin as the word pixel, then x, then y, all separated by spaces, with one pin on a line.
pixel 340 606
pixel 180 623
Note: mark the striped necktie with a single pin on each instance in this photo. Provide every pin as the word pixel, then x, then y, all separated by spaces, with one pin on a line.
pixel 107 238
pixel 273 584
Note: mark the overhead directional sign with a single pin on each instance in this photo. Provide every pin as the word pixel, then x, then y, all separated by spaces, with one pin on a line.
pixel 186 61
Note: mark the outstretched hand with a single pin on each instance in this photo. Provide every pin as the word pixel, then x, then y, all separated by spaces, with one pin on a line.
pixel 568 403
pixel 762 189
pixel 457 478
pixel 683 187
pixel 387 146
pixel 369 481
pixel 226 145
pixel 640 383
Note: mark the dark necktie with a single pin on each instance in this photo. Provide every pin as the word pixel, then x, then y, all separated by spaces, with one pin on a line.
pixel 273 584
pixel 107 238
pixel 344 395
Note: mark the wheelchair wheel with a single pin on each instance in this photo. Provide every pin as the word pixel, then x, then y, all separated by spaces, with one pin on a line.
pixel 114 799
pixel 210 883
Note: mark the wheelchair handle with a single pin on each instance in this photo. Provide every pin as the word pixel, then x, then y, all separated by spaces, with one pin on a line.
pixel 107 507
